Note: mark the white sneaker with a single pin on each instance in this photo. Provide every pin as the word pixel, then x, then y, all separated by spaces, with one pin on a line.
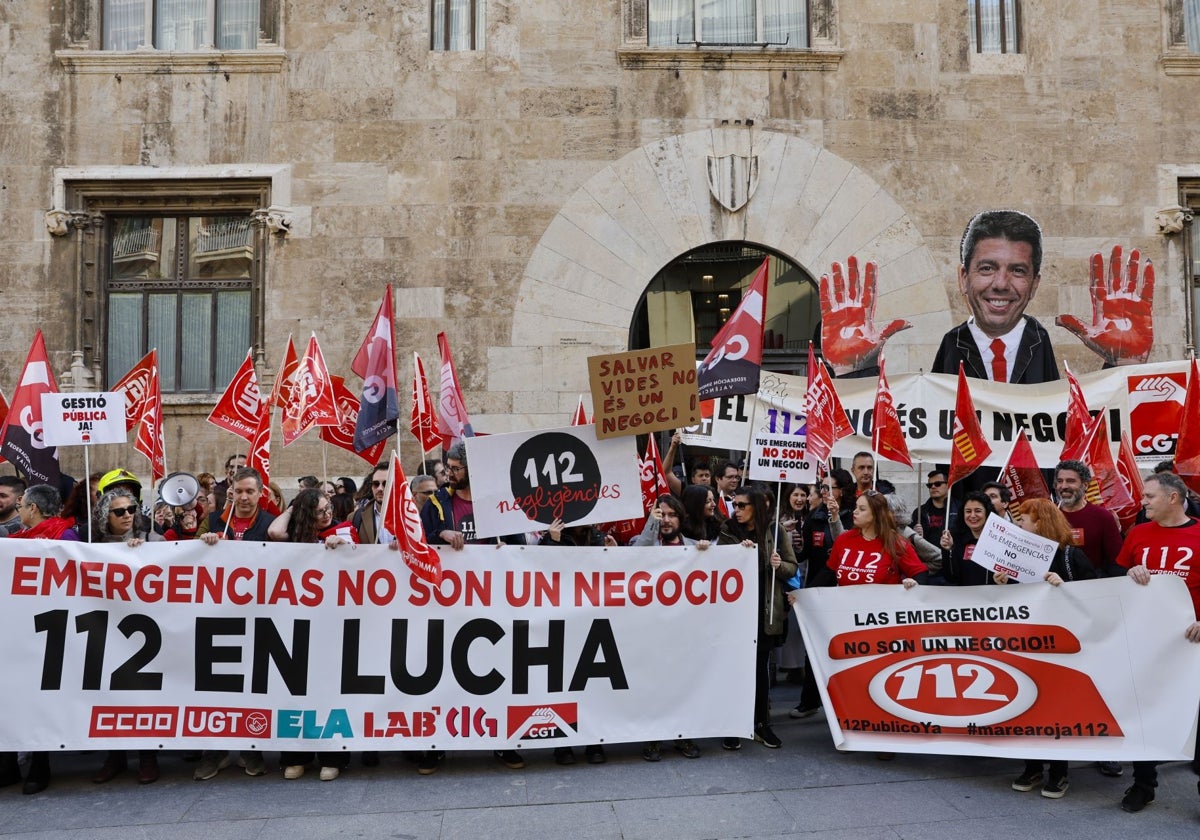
pixel 293 771
pixel 328 774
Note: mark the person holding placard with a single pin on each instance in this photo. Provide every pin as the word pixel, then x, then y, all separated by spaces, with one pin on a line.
pixel 958 542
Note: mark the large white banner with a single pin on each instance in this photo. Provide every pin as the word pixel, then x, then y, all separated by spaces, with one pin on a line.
pixel 1095 670
pixel 294 647
pixel 728 428
pixel 1144 400
pixel 523 481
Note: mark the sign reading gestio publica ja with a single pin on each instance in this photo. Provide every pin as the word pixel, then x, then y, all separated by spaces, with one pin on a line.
pixel 79 419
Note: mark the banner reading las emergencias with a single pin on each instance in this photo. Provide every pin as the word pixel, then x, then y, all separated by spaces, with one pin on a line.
pixel 249 645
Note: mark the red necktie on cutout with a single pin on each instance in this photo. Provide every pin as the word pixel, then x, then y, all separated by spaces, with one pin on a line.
pixel 999 363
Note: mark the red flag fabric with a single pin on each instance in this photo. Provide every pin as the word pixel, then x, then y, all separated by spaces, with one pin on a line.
pixel 4 418
pixel 453 422
pixel 1131 479
pixel 400 517
pixel 237 410
pixel 887 438
pixel 581 418
pixel 285 380
pixel 312 402
pixel 343 435
pixel 826 421
pixel 1098 455
pixel 1078 420
pixel 654 480
pixel 969 447
pixel 421 421
pixel 378 410
pixel 735 362
pixel 22 442
pixel 1187 446
pixel 135 385
pixel 259 456
pixel 150 440
pixel 1020 474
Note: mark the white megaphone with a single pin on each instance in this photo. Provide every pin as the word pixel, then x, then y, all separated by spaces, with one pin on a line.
pixel 179 489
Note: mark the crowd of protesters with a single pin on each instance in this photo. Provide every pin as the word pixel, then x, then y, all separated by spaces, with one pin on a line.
pixel 850 528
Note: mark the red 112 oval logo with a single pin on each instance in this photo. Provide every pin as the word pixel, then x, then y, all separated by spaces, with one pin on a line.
pixel 953 690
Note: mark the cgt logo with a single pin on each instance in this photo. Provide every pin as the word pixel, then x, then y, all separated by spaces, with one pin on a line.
pixel 133 721
pixel 1155 413
pixel 203 721
pixel 560 720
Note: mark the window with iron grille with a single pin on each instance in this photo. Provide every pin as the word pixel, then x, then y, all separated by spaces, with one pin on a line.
pixel 456 25
pixel 728 23
pixel 993 26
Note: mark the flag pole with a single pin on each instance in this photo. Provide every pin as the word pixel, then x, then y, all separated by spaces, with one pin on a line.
pixel 87 472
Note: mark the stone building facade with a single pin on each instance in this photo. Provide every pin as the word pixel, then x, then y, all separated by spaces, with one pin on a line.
pixel 521 195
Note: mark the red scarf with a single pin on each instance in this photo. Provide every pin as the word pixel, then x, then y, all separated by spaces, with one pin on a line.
pixel 48 529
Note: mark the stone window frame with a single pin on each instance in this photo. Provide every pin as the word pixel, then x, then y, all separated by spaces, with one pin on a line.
pixel 1176 59
pixel 85 201
pixel 975 34
pixel 824 52
pixel 81 48
pixel 478 33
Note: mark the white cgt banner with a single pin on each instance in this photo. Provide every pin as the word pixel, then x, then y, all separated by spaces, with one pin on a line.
pixel 1093 670
pixel 523 481
pixel 280 646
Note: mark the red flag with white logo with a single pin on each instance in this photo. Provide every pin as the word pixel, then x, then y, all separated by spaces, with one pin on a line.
pixel 1098 455
pixel 826 421
pixel 969 448
pixel 343 435
pixel 22 443
pixel 453 422
pixel 1020 474
pixel 285 379
pixel 312 402
pixel 1131 479
pixel 237 410
pixel 421 421
pixel 150 440
pixel 1079 420
pixel 887 438
pixel 400 517
pixel 135 385
pixel 581 418
pixel 1187 446
pixel 735 362
pixel 378 410
pixel 259 456
pixel 654 480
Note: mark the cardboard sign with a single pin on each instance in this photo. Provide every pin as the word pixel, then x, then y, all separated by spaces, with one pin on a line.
pixel 1007 547
pixel 78 419
pixel 644 390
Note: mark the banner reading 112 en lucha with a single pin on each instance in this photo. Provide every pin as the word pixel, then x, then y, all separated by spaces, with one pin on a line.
pixel 294 647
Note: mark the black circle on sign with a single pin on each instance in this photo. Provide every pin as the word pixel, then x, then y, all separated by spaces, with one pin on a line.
pixel 555 476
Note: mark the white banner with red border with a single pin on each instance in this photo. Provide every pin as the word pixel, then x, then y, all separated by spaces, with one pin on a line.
pixel 1091 670
pixel 294 647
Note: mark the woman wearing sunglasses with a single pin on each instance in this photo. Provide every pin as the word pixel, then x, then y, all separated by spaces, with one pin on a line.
pixel 751 525
pixel 114 520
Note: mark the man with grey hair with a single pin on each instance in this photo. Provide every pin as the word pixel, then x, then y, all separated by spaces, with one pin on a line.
pixel 1169 543
pixel 422 487
pixel 1094 529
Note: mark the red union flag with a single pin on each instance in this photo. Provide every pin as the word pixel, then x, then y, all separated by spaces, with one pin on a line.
pixel 735 362
pixel 1079 419
pixel 453 422
pixel 400 517
pixel 969 447
pixel 238 409
pixel 654 480
pixel 1131 479
pixel 1020 474
pixel 136 385
pixel 1098 455
pixel 23 444
pixel 581 418
pixel 378 411
pixel 826 418
pixel 312 402
pixel 1187 447
pixel 285 380
pixel 343 435
pixel 150 440
pixel 259 456
pixel 421 422
pixel 887 438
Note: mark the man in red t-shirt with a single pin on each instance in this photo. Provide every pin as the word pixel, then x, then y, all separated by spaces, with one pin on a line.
pixel 1168 544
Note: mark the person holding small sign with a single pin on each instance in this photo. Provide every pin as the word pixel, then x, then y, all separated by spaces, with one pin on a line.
pixel 958 543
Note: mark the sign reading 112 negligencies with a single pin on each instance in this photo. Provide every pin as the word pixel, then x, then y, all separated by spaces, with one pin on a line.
pixel 83 419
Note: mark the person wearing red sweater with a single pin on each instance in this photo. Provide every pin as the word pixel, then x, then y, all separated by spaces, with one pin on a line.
pixel 874 551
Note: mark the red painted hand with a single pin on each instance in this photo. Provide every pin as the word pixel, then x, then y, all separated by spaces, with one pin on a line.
pixel 849 339
pixel 1122 327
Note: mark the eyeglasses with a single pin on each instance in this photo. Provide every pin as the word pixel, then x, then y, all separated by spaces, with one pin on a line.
pixel 125 511
pixel 932 484
pixel 324 511
pixel 456 469
pixel 742 505
pixel 379 483
pixel 824 488
pixel 424 492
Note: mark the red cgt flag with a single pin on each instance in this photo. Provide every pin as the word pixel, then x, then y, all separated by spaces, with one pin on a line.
pixel 887 438
pixel 826 421
pixel 400 517
pixel 421 421
pixel 312 402
pixel 1020 474
pixel 238 409
pixel 969 448
pixel 343 435
pixel 1079 420
pixel 734 364
pixel 1187 446
pixel 453 422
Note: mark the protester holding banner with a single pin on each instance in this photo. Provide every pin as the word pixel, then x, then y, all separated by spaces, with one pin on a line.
pixel 795 511
pixel 1094 529
pixel 751 525
pixel 874 551
pixel 958 543
pixel 665 524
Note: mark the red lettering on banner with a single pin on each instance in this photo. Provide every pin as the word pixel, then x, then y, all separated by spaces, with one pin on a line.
pixel 25 575
pixel 543 589
pixel 642 589
pixel 471 589
pixel 133 721
pixel 91 573
pixel 207 721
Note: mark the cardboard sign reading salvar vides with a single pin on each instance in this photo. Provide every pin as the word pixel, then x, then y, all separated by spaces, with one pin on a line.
pixel 644 390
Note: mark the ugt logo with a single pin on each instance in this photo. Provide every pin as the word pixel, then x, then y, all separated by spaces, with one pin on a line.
pixel 560 720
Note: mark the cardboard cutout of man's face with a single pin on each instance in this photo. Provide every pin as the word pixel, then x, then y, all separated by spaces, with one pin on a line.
pixel 998 284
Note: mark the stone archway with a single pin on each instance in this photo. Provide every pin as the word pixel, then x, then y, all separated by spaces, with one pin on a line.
pixel 629 220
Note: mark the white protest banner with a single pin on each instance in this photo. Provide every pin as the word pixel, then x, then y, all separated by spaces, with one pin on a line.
pixel 523 481
pixel 294 647
pixel 82 419
pixel 778 431
pixel 1093 670
pixel 1004 546
pixel 728 428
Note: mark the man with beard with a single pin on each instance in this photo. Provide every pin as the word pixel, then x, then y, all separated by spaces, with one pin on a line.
pixel 368 519
pixel 1094 529
pixel 664 526
pixel 11 490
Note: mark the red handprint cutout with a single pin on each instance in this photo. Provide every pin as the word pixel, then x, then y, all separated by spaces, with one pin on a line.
pixel 849 339
pixel 1122 327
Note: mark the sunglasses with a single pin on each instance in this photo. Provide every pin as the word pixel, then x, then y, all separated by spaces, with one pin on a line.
pixel 125 511
pixel 378 483
pixel 742 505
pixel 932 484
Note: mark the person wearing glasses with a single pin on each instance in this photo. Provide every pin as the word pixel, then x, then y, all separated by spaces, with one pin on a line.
pixel 368 519
pixel 937 512
pixel 751 525
pixel 114 521
pixel 423 486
